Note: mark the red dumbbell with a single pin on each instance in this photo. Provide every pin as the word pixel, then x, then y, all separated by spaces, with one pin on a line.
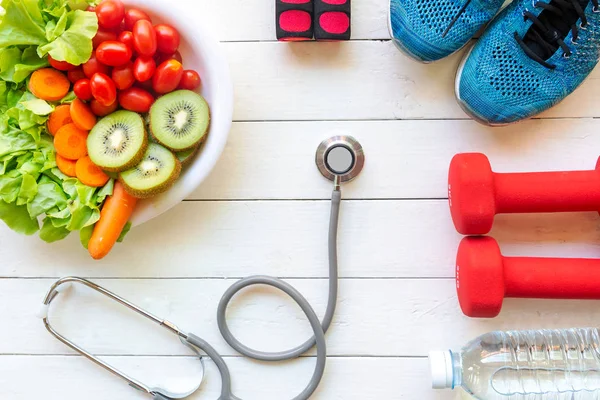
pixel 477 194
pixel 484 277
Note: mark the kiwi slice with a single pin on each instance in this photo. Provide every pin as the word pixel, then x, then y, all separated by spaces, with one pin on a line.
pixel 180 120
pixel 156 173
pixel 118 141
pixel 186 157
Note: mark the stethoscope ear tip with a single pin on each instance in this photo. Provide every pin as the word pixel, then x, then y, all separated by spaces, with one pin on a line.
pixel 340 158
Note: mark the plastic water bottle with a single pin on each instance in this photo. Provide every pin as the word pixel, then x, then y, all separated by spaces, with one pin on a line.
pixel 524 365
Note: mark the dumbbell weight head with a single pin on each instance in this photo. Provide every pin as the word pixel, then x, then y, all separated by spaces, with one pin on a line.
pixel 471 193
pixel 480 277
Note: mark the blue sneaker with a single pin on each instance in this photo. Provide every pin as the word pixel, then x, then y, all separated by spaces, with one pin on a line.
pixel 429 30
pixel 532 56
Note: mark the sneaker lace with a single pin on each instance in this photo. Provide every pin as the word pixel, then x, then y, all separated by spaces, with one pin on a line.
pixel 456 17
pixel 549 29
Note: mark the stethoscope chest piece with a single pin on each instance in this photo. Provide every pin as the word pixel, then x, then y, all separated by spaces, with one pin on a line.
pixel 340 156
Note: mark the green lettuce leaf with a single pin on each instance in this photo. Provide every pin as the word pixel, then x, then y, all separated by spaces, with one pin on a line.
pixel 74 45
pixel 50 233
pixel 22 24
pixel 17 218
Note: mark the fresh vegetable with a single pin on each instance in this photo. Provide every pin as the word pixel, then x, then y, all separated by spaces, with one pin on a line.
pixel 126 37
pixel 134 15
pixel 123 76
pixel 144 68
pixel 83 89
pixel 102 110
pixel 103 89
pixel 76 74
pixel 167 76
pixel 161 57
pixel 110 14
pixel 49 84
pixel 167 38
pixel 136 99
pixel 66 166
pixel 93 66
pixel 70 142
pixel 190 80
pixel 144 38
pixel 114 217
pixel 103 36
pixel 60 117
pixel 60 65
pixel 89 173
pixel 82 115
pixel 113 53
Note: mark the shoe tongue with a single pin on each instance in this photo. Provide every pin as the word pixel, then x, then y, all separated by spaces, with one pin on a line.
pixel 559 26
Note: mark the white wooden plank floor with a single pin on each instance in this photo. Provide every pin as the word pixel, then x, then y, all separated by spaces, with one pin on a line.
pixel 264 210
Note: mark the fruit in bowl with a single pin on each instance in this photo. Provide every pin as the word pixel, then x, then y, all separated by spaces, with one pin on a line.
pixel 111 121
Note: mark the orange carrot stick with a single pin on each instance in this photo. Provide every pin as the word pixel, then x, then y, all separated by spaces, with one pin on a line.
pixel 89 173
pixel 49 84
pixel 60 117
pixel 71 142
pixel 82 115
pixel 66 166
pixel 114 216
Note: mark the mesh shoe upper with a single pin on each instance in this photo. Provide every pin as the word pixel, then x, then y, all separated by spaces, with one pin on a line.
pixel 499 83
pixel 426 30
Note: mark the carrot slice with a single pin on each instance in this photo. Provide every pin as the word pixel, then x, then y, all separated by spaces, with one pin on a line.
pixel 60 117
pixel 71 142
pixel 90 174
pixel 114 216
pixel 82 115
pixel 49 84
pixel 66 166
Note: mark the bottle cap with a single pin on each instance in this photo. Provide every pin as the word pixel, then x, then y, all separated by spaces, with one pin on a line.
pixel 442 370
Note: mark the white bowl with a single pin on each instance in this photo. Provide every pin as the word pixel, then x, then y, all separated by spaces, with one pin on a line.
pixel 203 54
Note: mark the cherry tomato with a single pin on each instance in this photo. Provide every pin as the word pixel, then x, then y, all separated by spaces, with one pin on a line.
pixel 168 38
pixel 76 74
pixel 91 9
pixel 83 90
pixel 144 38
pixel 190 80
pixel 134 15
pixel 60 65
pixel 101 110
pixel 147 86
pixel 110 13
pixel 144 68
pixel 136 99
pixel 127 38
pixel 103 89
pixel 167 76
pixel 113 53
pixel 94 66
pixel 123 76
pixel 103 36
pixel 161 57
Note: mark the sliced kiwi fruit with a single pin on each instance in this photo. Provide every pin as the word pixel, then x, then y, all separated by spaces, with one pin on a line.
pixel 186 157
pixel 118 141
pixel 155 174
pixel 180 120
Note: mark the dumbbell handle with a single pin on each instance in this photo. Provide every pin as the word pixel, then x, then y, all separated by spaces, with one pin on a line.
pixel 552 278
pixel 547 192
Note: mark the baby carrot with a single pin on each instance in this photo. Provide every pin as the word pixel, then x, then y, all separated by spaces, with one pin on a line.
pixel 60 117
pixel 49 84
pixel 66 166
pixel 89 173
pixel 71 142
pixel 114 216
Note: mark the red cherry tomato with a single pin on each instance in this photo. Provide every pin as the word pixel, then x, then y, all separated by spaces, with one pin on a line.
pixel 161 57
pixel 110 13
pixel 144 38
pixel 60 65
pixel 136 99
pixel 83 90
pixel 123 76
pixel 94 66
pixel 113 53
pixel 101 110
pixel 144 68
pixel 167 76
pixel 190 80
pixel 103 36
pixel 76 74
pixel 103 89
pixel 168 38
pixel 147 86
pixel 127 38
pixel 134 15
pixel 91 9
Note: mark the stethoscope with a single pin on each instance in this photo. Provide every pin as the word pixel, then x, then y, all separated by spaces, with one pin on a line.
pixel 339 159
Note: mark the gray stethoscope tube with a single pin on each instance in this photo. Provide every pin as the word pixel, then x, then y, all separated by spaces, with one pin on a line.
pixel 339 159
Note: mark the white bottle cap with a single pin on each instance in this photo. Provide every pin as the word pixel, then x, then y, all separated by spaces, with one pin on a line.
pixel 442 370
